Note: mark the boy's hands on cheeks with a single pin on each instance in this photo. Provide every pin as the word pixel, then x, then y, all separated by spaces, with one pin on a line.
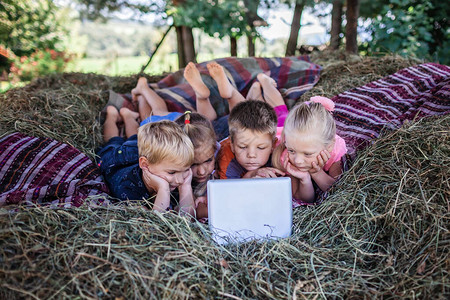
pixel 322 158
pixel 154 181
pixel 160 186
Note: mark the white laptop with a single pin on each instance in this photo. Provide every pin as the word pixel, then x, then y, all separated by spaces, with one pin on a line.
pixel 240 210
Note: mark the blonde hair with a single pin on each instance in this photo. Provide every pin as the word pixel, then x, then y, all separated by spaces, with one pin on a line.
pixel 255 115
pixel 165 140
pixel 306 117
pixel 198 128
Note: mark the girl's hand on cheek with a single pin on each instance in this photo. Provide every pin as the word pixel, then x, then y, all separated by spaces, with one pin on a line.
pixel 315 168
pixel 292 170
pixel 322 158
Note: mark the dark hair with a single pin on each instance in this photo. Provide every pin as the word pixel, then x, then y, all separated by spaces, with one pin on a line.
pixel 254 115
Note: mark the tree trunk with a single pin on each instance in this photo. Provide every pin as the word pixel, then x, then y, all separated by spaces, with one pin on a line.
pixel 351 44
pixel 233 46
pixel 251 45
pixel 180 48
pixel 295 28
pixel 188 40
pixel 336 23
pixel 185 42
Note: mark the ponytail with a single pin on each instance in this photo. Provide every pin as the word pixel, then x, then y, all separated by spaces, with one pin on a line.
pixel 187 117
pixel 198 128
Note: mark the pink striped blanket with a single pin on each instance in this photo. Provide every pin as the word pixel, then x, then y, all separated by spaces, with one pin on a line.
pixel 411 93
pixel 46 172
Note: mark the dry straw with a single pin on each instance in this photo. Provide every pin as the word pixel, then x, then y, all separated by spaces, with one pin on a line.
pixel 382 233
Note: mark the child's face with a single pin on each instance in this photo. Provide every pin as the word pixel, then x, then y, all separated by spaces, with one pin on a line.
pixel 252 149
pixel 303 150
pixel 203 164
pixel 171 172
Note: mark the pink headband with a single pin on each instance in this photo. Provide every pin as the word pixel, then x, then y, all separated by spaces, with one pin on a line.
pixel 326 102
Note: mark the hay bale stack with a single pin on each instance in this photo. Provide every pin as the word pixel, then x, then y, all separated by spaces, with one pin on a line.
pixel 383 232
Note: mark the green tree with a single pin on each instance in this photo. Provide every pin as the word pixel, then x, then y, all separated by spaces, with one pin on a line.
pixel 29 25
pixel 217 19
pixel 295 26
pixel 413 28
pixel 233 18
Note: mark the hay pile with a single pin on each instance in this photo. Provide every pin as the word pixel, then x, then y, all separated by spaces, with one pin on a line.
pixel 383 231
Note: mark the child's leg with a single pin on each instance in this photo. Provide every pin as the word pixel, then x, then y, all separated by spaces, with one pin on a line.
pixel 204 107
pixel 271 93
pixel 157 104
pixel 145 110
pixel 129 119
pixel 255 93
pixel 110 128
pixel 273 97
pixel 226 89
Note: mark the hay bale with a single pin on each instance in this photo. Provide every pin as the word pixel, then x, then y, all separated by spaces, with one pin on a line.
pixel 343 71
pixel 383 232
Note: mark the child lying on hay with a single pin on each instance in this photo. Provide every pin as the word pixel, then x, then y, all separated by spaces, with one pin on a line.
pixel 165 155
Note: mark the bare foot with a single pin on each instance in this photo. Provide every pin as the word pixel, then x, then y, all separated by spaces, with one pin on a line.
pixel 218 74
pixel 110 127
pixel 113 114
pixel 142 81
pixel 266 78
pixel 255 92
pixel 193 77
pixel 127 113
pixel 271 93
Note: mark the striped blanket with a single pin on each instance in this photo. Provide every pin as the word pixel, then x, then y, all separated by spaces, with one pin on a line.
pixel 415 92
pixel 45 171
pixel 294 76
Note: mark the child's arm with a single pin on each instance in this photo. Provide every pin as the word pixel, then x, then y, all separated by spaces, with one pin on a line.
pixel 266 172
pixel 302 186
pixel 160 186
pixel 323 179
pixel 186 202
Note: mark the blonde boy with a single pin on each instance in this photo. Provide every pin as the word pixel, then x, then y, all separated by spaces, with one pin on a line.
pixel 246 153
pixel 159 164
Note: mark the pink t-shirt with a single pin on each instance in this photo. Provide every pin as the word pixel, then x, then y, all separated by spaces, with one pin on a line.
pixel 338 151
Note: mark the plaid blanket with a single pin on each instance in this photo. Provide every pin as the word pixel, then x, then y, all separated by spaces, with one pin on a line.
pixel 415 92
pixel 45 171
pixel 294 76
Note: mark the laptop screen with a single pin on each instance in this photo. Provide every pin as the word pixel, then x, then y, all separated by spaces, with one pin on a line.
pixel 244 209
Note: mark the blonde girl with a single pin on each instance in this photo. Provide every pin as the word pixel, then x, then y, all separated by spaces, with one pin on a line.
pixel 201 132
pixel 310 151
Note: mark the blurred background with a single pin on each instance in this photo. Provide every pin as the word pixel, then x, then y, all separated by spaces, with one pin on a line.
pixel 123 37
